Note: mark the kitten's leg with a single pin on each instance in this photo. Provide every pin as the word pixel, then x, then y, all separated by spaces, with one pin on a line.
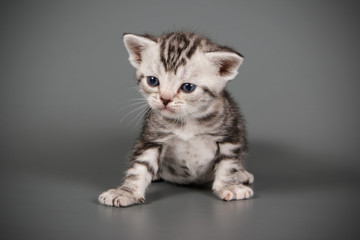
pixel 157 178
pixel 230 175
pixel 144 166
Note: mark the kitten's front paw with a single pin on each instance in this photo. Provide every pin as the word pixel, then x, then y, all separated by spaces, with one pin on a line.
pixel 119 198
pixel 234 192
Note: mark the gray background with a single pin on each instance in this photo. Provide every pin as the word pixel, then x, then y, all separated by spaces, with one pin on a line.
pixel 65 80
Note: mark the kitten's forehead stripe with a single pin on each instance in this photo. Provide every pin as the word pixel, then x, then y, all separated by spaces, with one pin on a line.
pixel 176 48
pixel 162 54
pixel 194 46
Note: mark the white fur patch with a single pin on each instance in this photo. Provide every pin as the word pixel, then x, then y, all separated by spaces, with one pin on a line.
pixel 150 156
pixel 227 148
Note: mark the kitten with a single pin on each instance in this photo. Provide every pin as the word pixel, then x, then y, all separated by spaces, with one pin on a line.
pixel 194 132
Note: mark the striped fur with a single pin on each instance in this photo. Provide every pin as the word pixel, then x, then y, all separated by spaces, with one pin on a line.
pixel 195 137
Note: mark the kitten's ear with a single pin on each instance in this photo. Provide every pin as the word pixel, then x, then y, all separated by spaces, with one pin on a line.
pixel 226 62
pixel 135 45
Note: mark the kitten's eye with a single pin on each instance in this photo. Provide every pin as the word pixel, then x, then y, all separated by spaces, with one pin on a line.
pixel 188 87
pixel 153 81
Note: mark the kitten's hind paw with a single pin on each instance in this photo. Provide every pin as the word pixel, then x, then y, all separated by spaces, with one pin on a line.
pixel 119 198
pixel 234 192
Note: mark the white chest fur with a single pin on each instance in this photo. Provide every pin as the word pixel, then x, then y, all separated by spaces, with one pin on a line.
pixel 189 160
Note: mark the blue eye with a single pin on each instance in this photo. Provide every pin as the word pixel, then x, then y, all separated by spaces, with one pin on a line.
pixel 188 87
pixel 153 81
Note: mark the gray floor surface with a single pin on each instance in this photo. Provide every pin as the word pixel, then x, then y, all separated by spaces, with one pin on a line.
pixel 292 201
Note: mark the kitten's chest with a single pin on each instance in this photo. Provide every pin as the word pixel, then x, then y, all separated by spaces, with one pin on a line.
pixel 188 160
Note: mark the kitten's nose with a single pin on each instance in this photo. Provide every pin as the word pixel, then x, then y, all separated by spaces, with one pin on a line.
pixel 165 100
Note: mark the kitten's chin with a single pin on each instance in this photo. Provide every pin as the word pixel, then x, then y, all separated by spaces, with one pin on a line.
pixel 168 112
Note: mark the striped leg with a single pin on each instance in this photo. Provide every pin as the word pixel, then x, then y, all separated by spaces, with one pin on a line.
pixel 230 175
pixel 144 166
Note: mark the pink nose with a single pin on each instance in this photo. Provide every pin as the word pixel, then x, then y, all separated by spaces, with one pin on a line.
pixel 165 101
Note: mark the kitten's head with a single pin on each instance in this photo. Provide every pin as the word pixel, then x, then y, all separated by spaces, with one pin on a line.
pixel 181 73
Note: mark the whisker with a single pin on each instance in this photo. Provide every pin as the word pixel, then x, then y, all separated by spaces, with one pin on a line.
pixel 142 115
pixel 136 99
pixel 138 115
pixel 150 110
pixel 133 88
pixel 129 105
pixel 140 107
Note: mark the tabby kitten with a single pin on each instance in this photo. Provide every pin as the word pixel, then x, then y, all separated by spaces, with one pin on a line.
pixel 194 132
